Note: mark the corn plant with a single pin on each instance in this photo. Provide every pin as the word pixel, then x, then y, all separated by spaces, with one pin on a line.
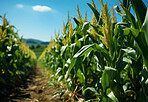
pixel 102 59
pixel 15 57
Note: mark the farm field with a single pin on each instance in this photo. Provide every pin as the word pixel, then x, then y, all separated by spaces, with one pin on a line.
pixel 90 59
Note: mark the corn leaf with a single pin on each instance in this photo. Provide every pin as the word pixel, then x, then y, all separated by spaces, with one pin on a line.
pixel 140 10
pixel 81 76
pixel 131 53
pixel 112 96
pixel 130 17
pixel 145 26
pixel 105 81
pixel 85 27
pixel 92 90
pixel 76 21
pixel 97 14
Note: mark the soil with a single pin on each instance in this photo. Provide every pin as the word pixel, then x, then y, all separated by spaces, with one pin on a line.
pixel 33 89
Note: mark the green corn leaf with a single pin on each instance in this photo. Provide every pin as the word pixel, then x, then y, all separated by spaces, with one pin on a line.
pixel 145 26
pixel 70 67
pixel 126 3
pixel 140 38
pixel 112 72
pixel 82 50
pixel 103 51
pixel 78 64
pixel 81 76
pixel 131 53
pixel 105 81
pixel 112 96
pixel 87 48
pixel 58 71
pixel 116 29
pixel 145 88
pixel 114 37
pixel 95 47
pixel 10 72
pixel 92 90
pixel 130 17
pixel 140 10
pixel 144 73
pixel 63 49
pixel 76 21
pixel 97 14
pixel 117 9
pixel 60 78
pixel 85 27
pixel 127 31
pixel 75 63
pixel 142 46
pixel 108 75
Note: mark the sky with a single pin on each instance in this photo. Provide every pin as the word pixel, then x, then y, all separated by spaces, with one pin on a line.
pixel 39 19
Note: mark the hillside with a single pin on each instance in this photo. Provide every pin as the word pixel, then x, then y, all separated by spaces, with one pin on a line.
pixel 36 45
pixel 35 42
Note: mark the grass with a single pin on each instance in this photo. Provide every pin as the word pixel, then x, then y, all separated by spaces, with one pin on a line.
pixel 38 51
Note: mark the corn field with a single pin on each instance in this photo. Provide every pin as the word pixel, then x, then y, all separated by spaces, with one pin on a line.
pixel 102 59
pixel 16 59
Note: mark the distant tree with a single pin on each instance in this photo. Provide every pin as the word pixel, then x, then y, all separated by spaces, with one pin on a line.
pixel 38 46
pixel 32 47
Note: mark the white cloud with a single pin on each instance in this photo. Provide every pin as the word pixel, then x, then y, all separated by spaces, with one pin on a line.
pixel 41 8
pixel 19 5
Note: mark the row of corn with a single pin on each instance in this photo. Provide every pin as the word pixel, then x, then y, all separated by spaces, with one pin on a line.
pixel 16 59
pixel 102 60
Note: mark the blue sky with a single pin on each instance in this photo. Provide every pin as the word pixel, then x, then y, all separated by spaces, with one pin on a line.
pixel 40 18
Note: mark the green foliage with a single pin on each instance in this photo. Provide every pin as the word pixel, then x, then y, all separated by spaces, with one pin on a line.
pixel 99 72
pixel 15 59
pixel 38 51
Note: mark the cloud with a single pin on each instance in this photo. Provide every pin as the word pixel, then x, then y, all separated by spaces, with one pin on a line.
pixel 19 5
pixel 41 8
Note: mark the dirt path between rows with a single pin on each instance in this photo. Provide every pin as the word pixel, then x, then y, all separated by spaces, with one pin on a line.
pixel 34 89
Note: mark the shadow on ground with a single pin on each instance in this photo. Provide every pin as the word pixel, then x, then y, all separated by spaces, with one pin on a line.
pixel 33 89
